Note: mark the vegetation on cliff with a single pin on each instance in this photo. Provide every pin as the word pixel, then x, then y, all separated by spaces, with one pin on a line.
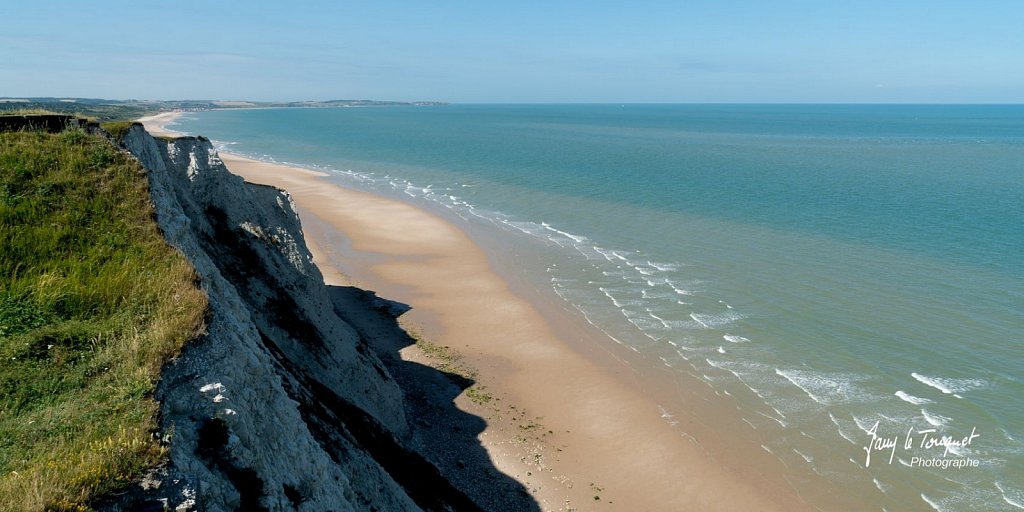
pixel 92 303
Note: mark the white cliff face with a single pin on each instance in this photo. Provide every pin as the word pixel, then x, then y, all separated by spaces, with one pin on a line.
pixel 279 405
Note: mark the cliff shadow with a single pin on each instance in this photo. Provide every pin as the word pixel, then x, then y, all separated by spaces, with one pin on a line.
pixel 441 432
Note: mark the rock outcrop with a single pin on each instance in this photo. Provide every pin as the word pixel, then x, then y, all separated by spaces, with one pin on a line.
pixel 281 405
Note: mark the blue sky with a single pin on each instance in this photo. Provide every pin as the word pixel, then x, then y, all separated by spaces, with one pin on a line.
pixel 922 51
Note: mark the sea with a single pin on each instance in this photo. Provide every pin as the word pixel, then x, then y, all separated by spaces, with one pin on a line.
pixel 848 280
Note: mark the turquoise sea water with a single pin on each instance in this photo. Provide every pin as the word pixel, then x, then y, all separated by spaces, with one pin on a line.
pixel 826 267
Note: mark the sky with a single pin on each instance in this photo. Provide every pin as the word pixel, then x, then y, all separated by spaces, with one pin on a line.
pixel 523 51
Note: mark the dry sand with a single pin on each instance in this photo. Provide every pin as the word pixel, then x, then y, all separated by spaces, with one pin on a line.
pixel 155 124
pixel 572 432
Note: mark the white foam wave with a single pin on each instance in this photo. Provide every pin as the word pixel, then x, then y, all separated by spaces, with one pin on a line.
pixel 911 398
pixel 658 318
pixel 664 267
pixel 612 255
pixel 603 252
pixel 949 386
pixel 642 321
pixel 825 388
pixel 781 423
pixel 931 503
pixel 879 485
pixel 839 428
pixel 652 293
pixel 711 321
pixel 1014 497
pixel 676 287
pixel 523 227
pixel 807 458
pixel 619 303
pixel 735 339
pixel 935 420
pixel 864 425
pixel 575 238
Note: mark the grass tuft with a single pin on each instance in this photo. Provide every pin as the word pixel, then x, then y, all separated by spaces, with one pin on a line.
pixel 117 128
pixel 92 303
pixel 26 112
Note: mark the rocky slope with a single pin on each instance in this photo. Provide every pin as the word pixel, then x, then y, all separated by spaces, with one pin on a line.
pixel 282 405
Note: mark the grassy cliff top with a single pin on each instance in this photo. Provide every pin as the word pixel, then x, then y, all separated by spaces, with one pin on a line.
pixel 92 303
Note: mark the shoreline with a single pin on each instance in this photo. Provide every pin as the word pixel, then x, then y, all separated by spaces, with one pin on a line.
pixel 606 445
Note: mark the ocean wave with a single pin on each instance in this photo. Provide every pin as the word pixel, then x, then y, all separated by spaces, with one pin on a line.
pixel 841 430
pixel 612 255
pixel 879 485
pixel 911 398
pixel 643 321
pixel 665 267
pixel 658 318
pixel 807 458
pixel 950 386
pixel 1012 497
pixel 935 420
pixel 826 388
pixel 931 503
pixel 652 293
pixel 677 287
pixel 712 321
pixel 864 425
pixel 617 301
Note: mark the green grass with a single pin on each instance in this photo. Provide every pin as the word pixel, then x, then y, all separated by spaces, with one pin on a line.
pixel 93 112
pixel 20 111
pixel 92 303
pixel 117 128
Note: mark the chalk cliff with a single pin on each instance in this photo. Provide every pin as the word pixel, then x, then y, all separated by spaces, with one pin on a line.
pixel 281 405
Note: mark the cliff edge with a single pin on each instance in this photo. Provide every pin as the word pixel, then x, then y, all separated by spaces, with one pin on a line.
pixel 281 405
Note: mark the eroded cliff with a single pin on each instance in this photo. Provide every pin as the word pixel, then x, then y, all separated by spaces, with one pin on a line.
pixel 281 405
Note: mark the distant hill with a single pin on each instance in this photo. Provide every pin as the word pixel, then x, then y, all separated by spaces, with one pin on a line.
pixel 110 110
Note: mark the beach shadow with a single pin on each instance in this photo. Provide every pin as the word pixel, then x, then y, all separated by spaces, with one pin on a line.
pixel 442 433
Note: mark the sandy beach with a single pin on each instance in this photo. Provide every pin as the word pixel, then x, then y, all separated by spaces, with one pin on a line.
pixel 577 436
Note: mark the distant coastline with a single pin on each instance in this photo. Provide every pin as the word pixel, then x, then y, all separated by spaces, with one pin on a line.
pixel 113 110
